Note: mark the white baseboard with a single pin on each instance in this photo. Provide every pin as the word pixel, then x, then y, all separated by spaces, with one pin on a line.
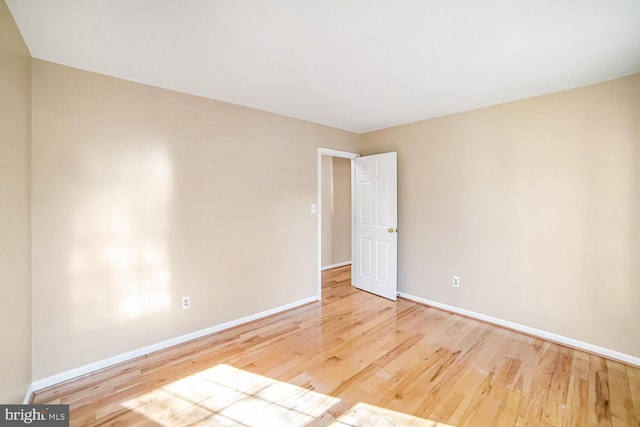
pixel 105 363
pixel 340 264
pixel 27 397
pixel 611 354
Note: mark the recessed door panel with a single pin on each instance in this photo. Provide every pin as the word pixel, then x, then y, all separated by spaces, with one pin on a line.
pixel 382 263
pixel 383 204
pixel 366 203
pixel 366 265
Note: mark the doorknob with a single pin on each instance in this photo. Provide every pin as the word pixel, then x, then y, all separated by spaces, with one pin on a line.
pixel 392 230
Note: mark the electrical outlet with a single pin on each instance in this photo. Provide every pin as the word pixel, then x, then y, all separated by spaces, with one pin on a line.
pixel 456 282
pixel 186 303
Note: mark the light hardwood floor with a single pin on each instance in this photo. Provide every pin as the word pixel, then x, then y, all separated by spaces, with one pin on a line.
pixel 356 359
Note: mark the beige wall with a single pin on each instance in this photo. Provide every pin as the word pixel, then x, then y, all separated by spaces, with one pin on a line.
pixel 326 257
pixel 341 242
pixel 535 204
pixel 15 232
pixel 336 210
pixel 143 195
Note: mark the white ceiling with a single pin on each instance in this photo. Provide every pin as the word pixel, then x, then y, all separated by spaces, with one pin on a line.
pixel 358 65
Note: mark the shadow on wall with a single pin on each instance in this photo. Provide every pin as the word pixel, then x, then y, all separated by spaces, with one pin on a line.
pixel 119 263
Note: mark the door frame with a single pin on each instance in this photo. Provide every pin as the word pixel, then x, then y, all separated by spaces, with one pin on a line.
pixel 345 155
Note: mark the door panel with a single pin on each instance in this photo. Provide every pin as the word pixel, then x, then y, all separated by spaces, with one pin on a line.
pixel 375 260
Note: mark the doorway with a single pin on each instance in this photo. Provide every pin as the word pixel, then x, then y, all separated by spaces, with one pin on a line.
pixel 335 209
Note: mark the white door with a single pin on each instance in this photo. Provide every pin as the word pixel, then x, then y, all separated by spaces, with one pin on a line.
pixel 375 261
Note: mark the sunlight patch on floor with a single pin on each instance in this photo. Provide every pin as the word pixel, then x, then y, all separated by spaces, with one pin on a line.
pixel 228 396
pixel 364 414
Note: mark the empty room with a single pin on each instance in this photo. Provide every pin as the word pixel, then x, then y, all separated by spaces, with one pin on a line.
pixel 306 213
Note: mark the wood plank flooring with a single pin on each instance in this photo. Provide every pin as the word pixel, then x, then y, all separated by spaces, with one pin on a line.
pixel 356 359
